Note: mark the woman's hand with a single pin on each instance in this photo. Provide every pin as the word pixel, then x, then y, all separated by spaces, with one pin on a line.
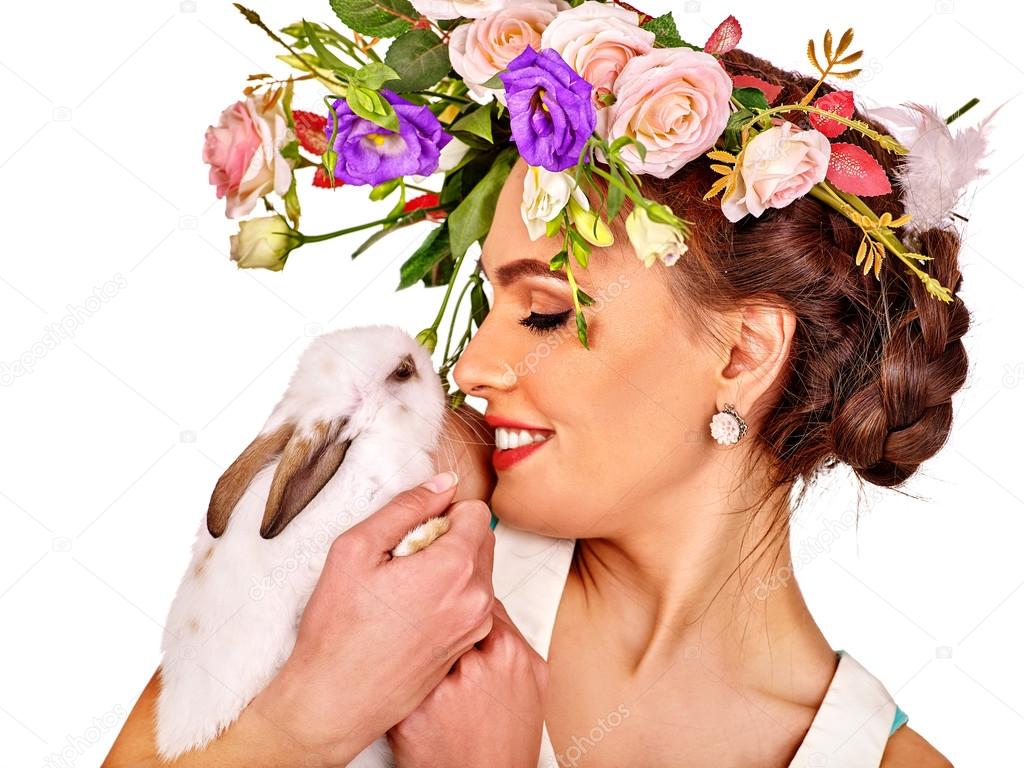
pixel 486 712
pixel 378 633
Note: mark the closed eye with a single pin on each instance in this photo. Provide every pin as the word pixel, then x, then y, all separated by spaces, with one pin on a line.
pixel 539 323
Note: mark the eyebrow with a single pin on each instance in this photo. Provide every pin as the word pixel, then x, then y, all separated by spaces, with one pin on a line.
pixel 514 270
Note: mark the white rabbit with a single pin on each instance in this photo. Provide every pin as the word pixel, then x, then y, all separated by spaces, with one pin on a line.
pixel 359 422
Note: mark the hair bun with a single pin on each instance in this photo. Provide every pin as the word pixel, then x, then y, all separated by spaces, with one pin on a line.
pixel 901 416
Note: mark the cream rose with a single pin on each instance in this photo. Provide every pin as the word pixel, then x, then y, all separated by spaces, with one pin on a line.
pixel 453 9
pixel 244 154
pixel 484 47
pixel 776 167
pixel 674 101
pixel 263 242
pixel 653 240
pixel 545 195
pixel 597 40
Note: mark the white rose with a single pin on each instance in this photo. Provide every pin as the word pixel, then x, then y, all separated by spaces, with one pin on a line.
pixel 597 40
pixel 653 240
pixel 482 48
pixel 545 195
pixel 263 242
pixel 454 9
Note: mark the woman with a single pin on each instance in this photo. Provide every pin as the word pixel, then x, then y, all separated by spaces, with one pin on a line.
pixel 630 625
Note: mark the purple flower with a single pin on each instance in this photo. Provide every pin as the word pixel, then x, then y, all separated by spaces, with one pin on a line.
pixel 550 108
pixel 369 154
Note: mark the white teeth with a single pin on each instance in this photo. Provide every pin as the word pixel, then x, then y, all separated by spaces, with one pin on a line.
pixel 506 439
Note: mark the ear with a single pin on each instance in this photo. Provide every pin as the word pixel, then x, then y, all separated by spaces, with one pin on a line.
pixel 761 339
pixel 309 460
pixel 236 478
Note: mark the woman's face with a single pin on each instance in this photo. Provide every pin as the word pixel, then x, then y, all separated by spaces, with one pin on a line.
pixel 629 416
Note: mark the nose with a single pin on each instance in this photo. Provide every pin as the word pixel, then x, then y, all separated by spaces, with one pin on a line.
pixel 483 368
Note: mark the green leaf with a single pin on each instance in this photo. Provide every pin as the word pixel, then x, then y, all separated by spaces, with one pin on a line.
pixel 290 150
pixel 479 304
pixel 558 260
pixel 471 220
pixel 374 75
pixel 379 18
pixel 580 247
pixel 372 106
pixel 751 98
pixel 554 227
pixel 581 328
pixel 292 208
pixel 433 249
pixel 477 123
pixel 733 139
pixel 616 196
pixel 585 298
pixel 327 59
pixel 412 218
pixel 666 34
pixel 420 58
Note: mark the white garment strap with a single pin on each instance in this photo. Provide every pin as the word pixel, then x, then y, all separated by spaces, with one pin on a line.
pixel 853 723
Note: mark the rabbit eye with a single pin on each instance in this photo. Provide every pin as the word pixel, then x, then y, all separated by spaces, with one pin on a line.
pixel 405 371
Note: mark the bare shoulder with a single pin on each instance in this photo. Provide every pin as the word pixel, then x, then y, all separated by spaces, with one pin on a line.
pixel 907 748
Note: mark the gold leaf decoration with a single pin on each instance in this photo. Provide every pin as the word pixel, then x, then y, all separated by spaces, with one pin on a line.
pixel 832 59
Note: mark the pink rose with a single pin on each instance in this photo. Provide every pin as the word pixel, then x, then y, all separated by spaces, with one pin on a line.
pixel 674 101
pixel 482 48
pixel 775 168
pixel 597 39
pixel 454 9
pixel 244 154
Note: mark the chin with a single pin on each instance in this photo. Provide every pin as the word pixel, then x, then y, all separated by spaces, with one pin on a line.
pixel 531 511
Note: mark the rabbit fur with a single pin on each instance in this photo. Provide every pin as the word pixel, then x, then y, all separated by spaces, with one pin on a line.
pixel 358 423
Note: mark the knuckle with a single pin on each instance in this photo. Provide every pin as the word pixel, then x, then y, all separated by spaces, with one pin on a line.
pixel 474 510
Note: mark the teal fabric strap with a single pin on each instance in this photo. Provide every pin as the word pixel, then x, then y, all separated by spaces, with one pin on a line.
pixel 494 520
pixel 900 719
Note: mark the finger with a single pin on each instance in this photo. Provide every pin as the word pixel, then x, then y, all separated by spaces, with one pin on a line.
pixel 389 524
pixel 470 524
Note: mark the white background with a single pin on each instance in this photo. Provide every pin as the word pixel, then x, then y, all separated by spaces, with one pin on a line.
pixel 115 438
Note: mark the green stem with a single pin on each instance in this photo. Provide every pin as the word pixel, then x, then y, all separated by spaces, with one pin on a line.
pixel 891 143
pixel 443 97
pixel 832 197
pixel 448 291
pixel 962 109
pixel 360 227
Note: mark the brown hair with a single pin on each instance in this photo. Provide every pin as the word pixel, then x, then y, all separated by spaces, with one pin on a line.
pixel 874 362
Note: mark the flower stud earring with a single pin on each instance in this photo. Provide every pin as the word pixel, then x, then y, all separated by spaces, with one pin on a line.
pixel 727 426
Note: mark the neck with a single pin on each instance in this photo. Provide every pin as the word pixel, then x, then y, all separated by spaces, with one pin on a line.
pixel 702 582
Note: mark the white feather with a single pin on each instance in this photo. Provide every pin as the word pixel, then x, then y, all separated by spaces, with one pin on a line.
pixel 940 165
pixel 234 619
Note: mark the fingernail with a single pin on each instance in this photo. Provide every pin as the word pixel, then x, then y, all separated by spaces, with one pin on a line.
pixel 441 482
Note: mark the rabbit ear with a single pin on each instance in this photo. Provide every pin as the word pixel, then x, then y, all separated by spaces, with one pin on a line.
pixel 236 478
pixel 307 463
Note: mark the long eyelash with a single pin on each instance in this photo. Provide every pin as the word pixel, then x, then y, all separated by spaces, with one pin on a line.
pixel 539 323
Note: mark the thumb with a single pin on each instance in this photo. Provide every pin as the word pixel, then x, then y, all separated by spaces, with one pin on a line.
pixel 410 508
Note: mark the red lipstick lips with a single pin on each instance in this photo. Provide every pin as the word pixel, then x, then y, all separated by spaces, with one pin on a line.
pixel 505 458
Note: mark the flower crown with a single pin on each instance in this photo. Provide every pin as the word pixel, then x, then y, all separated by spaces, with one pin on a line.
pixel 591 94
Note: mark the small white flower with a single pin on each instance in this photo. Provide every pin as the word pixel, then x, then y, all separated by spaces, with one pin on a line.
pixel 653 240
pixel 263 242
pixel 545 195
pixel 724 428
